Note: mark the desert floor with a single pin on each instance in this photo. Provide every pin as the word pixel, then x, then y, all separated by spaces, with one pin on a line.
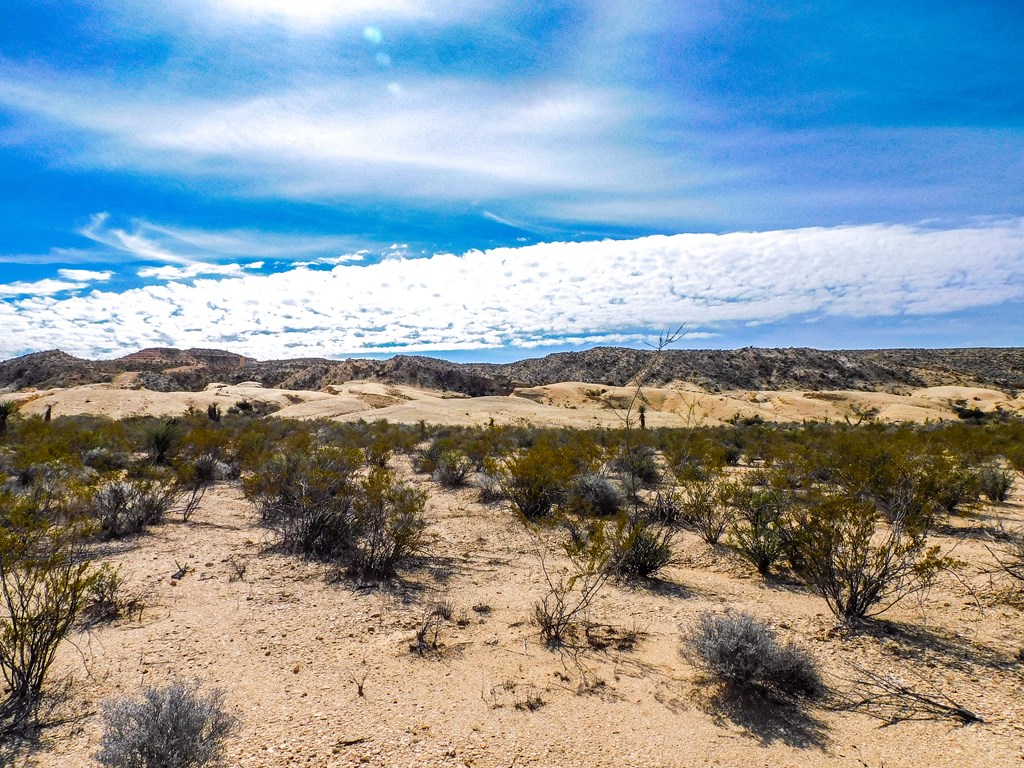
pixel 291 645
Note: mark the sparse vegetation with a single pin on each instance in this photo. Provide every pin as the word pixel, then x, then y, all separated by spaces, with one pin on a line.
pixel 857 564
pixel 745 654
pixel 44 586
pixel 175 726
pixel 756 533
pixel 126 507
pixel 996 483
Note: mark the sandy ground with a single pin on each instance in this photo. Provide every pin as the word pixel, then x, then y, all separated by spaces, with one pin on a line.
pixel 569 404
pixel 289 646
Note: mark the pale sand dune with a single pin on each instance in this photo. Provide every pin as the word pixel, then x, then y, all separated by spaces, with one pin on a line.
pixel 118 403
pixel 571 404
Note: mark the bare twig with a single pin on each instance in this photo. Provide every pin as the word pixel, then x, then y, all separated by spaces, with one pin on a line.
pixel 891 700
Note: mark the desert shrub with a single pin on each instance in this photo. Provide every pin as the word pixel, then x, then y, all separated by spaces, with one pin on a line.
pixel 452 469
pixel 859 566
pixel 694 455
pixel 388 525
pixel 308 499
pixel 425 459
pixel 756 532
pixel 704 511
pixel 7 410
pixel 595 494
pixel 1010 558
pixel 108 598
pixel 952 485
pixel 195 474
pixel 995 482
pixel 126 507
pixel 171 727
pixel 538 478
pixel 379 451
pixel 44 583
pixel 745 654
pixel 163 440
pixel 666 508
pixel 639 549
pixel 639 466
pixel 105 459
pixel 490 488
pixel 319 507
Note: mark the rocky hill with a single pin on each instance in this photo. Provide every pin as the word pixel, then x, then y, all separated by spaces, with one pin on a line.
pixel 893 370
pixel 759 369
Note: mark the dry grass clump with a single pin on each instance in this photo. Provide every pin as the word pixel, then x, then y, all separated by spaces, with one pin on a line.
pixel 745 654
pixel 175 726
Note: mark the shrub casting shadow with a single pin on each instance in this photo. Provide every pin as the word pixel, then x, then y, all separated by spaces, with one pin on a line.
pixel 909 641
pixel 769 718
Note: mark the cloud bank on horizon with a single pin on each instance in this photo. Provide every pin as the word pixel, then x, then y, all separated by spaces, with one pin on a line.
pixel 534 296
pixel 316 177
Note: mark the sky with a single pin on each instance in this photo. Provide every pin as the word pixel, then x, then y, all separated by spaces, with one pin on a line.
pixel 492 180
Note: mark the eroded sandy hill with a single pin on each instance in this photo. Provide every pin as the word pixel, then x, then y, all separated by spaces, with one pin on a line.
pixel 570 404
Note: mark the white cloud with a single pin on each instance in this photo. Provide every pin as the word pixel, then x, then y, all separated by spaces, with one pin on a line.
pixel 314 15
pixel 547 293
pixel 191 248
pixel 46 287
pixel 196 270
pixel 426 138
pixel 86 275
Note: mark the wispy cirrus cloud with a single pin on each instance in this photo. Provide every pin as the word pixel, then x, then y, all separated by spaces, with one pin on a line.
pixel 435 139
pixel 193 248
pixel 545 294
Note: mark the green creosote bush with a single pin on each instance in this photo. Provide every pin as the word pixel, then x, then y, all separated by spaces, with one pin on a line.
pixel 756 532
pixel 44 584
pixel 639 549
pixel 425 460
pixel 638 464
pixel 860 565
pixel 538 479
pixel 126 507
pixel 307 499
pixel 389 525
pixel 745 655
pixel 703 509
pixel 175 726
pixel 319 506
pixel 452 469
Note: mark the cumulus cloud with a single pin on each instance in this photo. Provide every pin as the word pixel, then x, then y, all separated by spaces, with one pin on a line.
pixel 195 270
pixel 537 295
pixel 46 287
pixel 86 275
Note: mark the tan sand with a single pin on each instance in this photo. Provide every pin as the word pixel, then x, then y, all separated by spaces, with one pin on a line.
pixel 289 646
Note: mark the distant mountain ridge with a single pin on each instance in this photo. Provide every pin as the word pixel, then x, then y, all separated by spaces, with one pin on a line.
pixel 170 369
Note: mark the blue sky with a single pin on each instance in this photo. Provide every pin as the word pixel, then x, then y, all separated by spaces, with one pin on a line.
pixel 490 180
